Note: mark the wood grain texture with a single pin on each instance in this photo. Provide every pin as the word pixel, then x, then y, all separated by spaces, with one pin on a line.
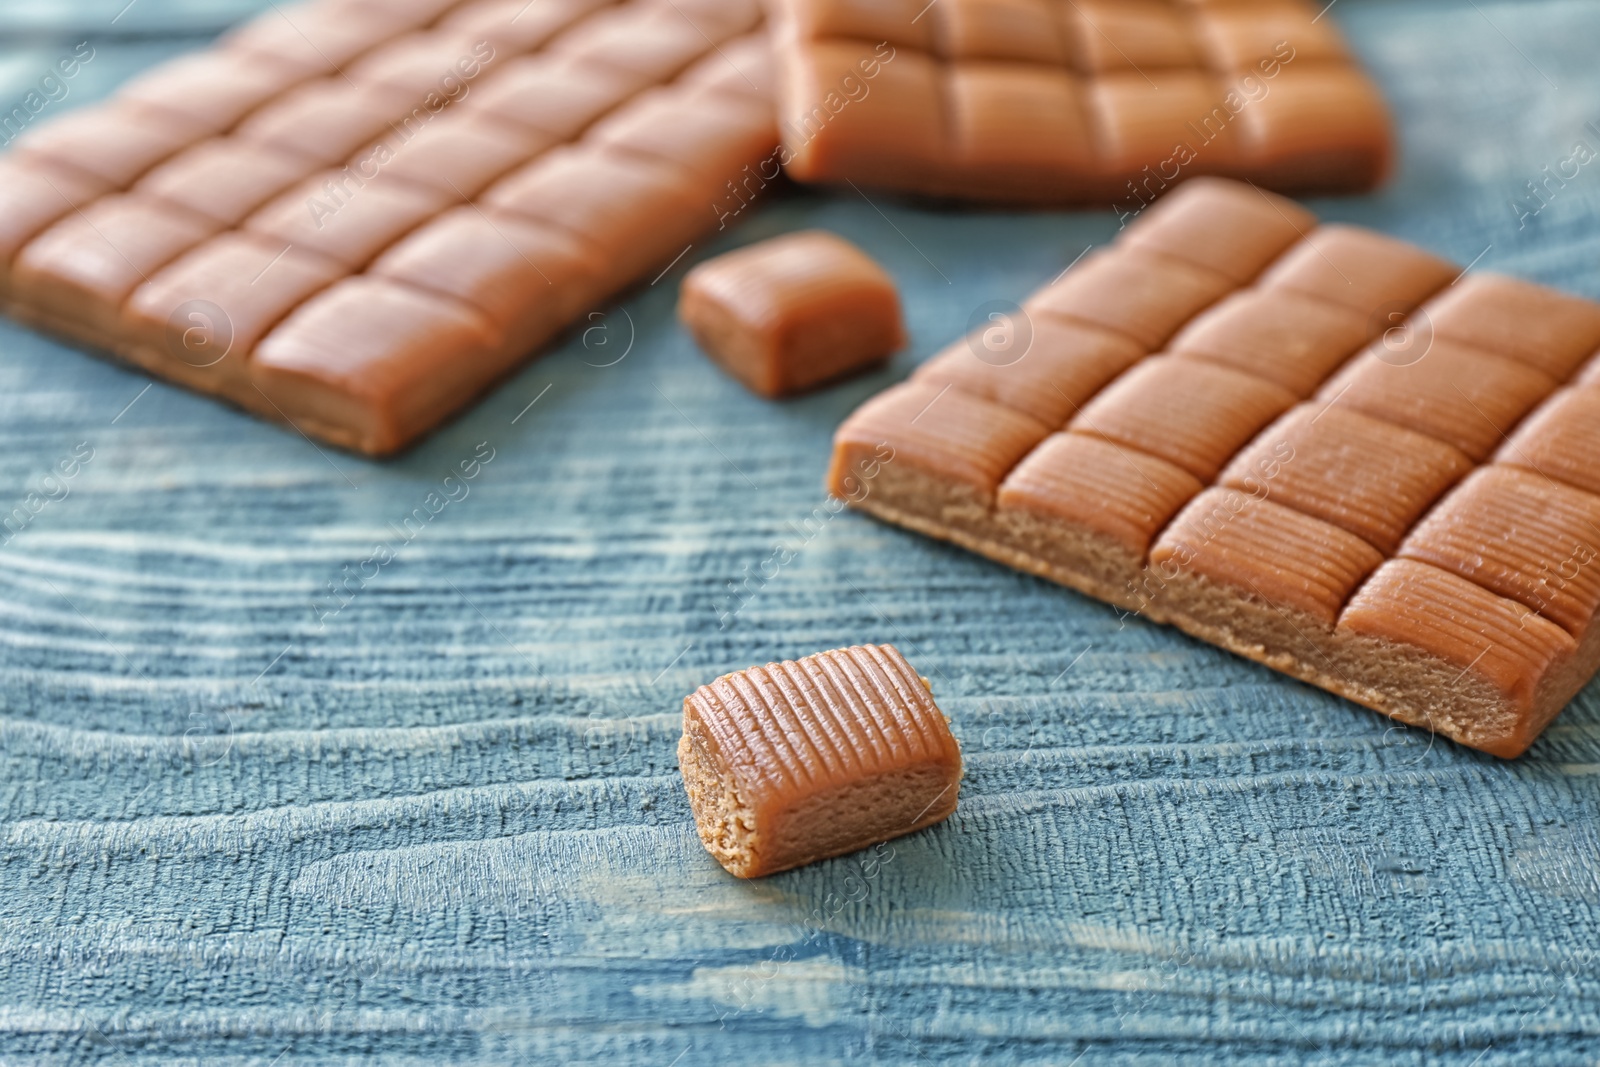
pixel 444 824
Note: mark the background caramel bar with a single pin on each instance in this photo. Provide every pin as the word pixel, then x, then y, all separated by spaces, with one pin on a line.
pixel 1316 446
pixel 801 760
pixel 1066 101
pixel 356 215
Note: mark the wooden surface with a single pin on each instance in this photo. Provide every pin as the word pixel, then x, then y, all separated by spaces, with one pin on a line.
pixel 444 825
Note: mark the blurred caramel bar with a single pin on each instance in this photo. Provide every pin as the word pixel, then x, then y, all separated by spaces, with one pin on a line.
pixel 1067 101
pixel 801 760
pixel 1314 445
pixel 790 313
pixel 356 215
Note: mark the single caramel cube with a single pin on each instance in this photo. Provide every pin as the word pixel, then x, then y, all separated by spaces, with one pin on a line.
pixel 797 761
pixel 787 314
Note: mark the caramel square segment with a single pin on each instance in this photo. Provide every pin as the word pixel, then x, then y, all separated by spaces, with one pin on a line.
pixel 789 313
pixel 798 761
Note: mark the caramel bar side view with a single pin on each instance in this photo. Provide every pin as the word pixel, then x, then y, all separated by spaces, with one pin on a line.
pixel 797 761
pixel 1067 101
pixel 1220 426
pixel 790 313
pixel 355 217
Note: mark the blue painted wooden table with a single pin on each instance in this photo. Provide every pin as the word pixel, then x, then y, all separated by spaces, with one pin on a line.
pixel 439 821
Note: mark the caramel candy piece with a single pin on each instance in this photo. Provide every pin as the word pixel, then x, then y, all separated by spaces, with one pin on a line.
pixel 81 270
pixel 653 44
pixel 1560 440
pixel 1000 29
pixel 1366 476
pixel 338 215
pixel 1314 128
pixel 32 197
pixel 828 134
pixel 1459 395
pixel 460 155
pixel 1548 330
pixel 372 364
pixel 1142 295
pixel 1362 270
pixel 1267 553
pixel 431 61
pixel 513 26
pixel 1127 35
pixel 943 453
pixel 715 135
pixel 199 318
pixel 225 179
pixel 1220 225
pixel 632 210
pixel 214 90
pixel 1081 503
pixel 528 279
pixel 1018 126
pixel 331 118
pixel 316 38
pixel 742 67
pixel 1040 365
pixel 1140 123
pixel 115 142
pixel 790 313
pixel 557 96
pixel 1262 37
pixel 1523 536
pixel 798 761
pixel 1292 340
pixel 1454 657
pixel 1191 414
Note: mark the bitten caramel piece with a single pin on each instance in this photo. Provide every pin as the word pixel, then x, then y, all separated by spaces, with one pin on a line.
pixel 797 761
pixel 790 313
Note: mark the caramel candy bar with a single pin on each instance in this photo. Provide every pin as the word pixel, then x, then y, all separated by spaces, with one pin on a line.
pixel 1040 101
pixel 790 313
pixel 258 221
pixel 797 761
pixel 1315 446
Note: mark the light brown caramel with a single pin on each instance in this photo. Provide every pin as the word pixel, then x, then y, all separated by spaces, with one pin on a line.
pixel 798 761
pixel 519 163
pixel 1353 541
pixel 1092 100
pixel 789 313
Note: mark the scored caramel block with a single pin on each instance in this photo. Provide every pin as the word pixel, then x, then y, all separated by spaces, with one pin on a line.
pixel 1038 101
pixel 789 313
pixel 333 137
pixel 1355 540
pixel 798 761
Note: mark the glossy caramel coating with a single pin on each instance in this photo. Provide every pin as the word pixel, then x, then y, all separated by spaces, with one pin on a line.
pixel 798 761
pixel 790 313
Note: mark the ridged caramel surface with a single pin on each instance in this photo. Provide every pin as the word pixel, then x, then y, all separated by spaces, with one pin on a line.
pixel 1292 340
pixel 1523 536
pixel 1306 508
pixel 1096 485
pixel 1041 365
pixel 1194 415
pixel 1364 475
pixel 1550 331
pixel 1261 549
pixel 1560 440
pixel 1143 295
pixel 1222 226
pixel 1457 394
pixel 1420 607
pixel 793 761
pixel 1367 272
pixel 944 432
